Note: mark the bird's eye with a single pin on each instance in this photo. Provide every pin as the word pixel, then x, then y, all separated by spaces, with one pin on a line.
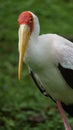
pixel 30 20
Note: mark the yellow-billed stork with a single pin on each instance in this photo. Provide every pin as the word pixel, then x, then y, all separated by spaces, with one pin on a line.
pixel 49 58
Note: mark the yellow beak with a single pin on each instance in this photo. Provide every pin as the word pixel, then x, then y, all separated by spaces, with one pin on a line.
pixel 24 33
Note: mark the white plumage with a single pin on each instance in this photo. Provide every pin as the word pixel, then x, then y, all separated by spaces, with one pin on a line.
pixel 43 55
pixel 43 58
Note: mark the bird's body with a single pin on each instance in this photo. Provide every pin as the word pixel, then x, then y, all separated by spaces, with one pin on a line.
pixel 49 57
pixel 44 60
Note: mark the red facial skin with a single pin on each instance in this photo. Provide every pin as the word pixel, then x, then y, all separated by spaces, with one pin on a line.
pixel 26 18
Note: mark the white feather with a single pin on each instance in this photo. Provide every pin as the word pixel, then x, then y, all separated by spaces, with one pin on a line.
pixel 43 54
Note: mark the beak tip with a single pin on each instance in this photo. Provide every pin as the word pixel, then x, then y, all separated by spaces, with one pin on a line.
pixel 18 77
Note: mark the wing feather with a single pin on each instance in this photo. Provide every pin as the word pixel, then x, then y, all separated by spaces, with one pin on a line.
pixel 67 75
pixel 65 60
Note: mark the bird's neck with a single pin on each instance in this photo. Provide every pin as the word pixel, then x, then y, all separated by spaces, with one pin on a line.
pixel 33 41
pixel 32 49
pixel 35 34
pixel 36 29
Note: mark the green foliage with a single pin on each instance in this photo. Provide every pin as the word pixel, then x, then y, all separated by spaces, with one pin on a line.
pixel 22 106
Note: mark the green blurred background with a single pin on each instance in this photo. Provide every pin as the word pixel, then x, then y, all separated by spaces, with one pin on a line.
pixel 22 106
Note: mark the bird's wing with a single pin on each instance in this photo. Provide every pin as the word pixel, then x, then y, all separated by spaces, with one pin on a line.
pixel 39 85
pixel 65 62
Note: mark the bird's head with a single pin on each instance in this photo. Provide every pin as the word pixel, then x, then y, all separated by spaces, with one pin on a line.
pixel 27 22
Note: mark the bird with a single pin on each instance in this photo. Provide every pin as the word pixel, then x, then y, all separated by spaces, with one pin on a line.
pixel 49 58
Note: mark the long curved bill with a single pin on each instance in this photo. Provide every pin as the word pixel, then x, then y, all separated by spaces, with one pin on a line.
pixel 24 33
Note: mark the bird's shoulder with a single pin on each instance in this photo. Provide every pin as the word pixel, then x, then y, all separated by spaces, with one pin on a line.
pixel 47 37
pixel 60 47
pixel 55 38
